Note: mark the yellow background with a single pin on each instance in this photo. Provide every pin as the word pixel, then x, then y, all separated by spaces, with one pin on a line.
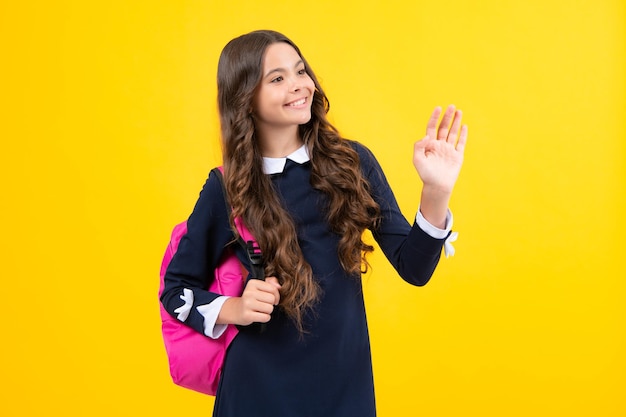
pixel 108 129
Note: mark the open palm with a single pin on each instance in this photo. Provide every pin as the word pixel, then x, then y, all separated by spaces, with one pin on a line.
pixel 438 157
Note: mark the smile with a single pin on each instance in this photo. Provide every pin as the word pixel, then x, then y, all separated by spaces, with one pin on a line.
pixel 296 103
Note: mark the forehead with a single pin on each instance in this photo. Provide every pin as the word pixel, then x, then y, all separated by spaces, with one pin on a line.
pixel 280 55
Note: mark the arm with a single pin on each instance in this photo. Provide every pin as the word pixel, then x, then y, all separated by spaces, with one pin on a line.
pixel 191 270
pixel 413 252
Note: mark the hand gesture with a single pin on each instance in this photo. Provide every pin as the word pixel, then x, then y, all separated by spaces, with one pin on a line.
pixel 438 156
pixel 255 305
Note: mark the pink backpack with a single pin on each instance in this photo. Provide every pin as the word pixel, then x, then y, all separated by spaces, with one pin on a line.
pixel 196 360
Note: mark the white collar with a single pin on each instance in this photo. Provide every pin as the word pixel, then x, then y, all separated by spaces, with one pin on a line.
pixel 277 165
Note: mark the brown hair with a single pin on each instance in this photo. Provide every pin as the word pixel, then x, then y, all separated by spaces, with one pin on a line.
pixel 335 171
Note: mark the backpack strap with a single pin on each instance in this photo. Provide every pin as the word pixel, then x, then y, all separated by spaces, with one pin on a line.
pixel 247 241
pixel 244 237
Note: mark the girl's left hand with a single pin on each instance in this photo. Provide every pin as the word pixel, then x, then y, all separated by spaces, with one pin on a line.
pixel 439 156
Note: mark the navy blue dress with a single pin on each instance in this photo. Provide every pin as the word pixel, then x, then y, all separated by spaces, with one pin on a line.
pixel 276 373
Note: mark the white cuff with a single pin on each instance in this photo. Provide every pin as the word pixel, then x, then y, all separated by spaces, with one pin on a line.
pixel 438 233
pixel 431 230
pixel 210 312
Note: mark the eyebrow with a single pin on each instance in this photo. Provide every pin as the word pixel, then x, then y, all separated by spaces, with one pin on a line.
pixel 282 69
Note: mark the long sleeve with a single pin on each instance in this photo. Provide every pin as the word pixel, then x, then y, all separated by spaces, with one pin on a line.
pixel 412 252
pixel 191 270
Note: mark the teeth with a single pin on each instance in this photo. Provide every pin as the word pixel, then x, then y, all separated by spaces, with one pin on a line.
pixel 298 103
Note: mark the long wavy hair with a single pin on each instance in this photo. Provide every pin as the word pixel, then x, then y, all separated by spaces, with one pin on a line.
pixel 335 172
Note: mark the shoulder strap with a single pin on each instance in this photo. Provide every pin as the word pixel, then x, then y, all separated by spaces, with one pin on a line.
pixel 247 241
pixel 244 237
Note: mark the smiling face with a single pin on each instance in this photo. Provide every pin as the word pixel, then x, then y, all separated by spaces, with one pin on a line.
pixel 283 98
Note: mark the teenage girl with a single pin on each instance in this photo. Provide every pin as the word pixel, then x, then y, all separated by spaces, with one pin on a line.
pixel 307 195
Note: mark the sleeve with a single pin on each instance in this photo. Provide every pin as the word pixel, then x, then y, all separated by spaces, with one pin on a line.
pixel 191 270
pixel 438 233
pixel 433 231
pixel 413 252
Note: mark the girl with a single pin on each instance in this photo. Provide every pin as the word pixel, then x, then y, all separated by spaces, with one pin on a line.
pixel 307 195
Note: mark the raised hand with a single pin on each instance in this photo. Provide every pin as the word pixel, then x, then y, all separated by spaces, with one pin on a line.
pixel 438 158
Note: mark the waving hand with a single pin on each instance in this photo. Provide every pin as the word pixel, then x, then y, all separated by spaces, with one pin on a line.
pixel 438 158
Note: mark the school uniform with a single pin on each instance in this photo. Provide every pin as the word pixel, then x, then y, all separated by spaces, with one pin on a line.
pixel 327 372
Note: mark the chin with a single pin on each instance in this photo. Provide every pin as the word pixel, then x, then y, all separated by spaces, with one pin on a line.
pixel 306 119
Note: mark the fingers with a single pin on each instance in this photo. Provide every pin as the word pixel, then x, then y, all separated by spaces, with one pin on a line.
pixel 460 146
pixel 259 299
pixel 264 291
pixel 450 128
pixel 446 121
pixel 274 282
pixel 431 127
pixel 454 129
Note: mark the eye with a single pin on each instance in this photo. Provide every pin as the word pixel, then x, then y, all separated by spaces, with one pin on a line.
pixel 277 79
pixel 302 71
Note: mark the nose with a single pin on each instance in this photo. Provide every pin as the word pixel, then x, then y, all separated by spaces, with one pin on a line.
pixel 296 84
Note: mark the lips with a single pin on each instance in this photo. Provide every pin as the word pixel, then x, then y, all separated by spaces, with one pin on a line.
pixel 297 103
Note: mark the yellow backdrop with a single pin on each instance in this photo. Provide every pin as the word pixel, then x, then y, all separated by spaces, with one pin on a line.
pixel 109 129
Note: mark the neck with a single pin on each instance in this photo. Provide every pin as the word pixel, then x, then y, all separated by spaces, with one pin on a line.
pixel 279 143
